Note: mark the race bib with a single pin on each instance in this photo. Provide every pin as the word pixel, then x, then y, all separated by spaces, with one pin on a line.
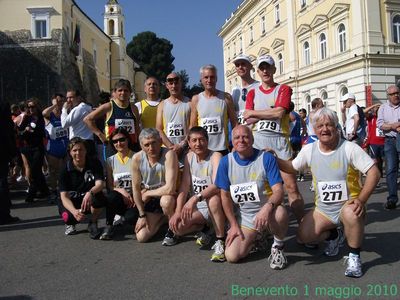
pixel 244 192
pixel 240 117
pixel 60 132
pixel 211 124
pixel 175 130
pixel 268 125
pixel 123 180
pixel 200 184
pixel 379 132
pixel 127 124
pixel 332 191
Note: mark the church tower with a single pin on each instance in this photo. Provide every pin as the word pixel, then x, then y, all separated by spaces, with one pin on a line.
pixel 114 22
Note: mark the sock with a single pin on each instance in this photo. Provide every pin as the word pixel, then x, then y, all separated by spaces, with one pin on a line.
pixel 277 243
pixel 221 238
pixel 355 251
pixel 333 234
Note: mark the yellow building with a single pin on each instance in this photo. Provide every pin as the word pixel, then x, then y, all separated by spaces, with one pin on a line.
pixel 49 46
pixel 322 48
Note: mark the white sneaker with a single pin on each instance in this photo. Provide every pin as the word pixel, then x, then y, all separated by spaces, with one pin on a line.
pixel 354 266
pixel 118 220
pixel 277 259
pixel 219 251
pixel 333 246
pixel 70 230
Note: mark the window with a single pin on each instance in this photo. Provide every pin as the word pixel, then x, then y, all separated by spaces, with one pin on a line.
pixel 111 26
pixel 240 44
pixel 234 49
pixel 396 29
pixel 94 54
pixel 280 63
pixel 277 16
pixel 40 21
pixel 251 38
pixel 229 53
pixel 262 23
pixel 342 38
pixel 303 3
pixel 307 54
pixel 308 102
pixel 324 97
pixel 322 45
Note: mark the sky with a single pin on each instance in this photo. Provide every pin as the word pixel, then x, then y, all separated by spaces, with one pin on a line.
pixel 192 26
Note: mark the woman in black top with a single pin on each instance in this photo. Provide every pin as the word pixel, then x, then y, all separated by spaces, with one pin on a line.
pixel 31 131
pixel 81 186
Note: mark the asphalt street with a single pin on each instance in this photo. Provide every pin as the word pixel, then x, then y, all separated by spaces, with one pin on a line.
pixel 39 262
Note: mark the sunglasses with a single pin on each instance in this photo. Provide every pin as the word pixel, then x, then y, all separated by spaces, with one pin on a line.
pixel 31 106
pixel 121 140
pixel 244 94
pixel 394 94
pixel 173 80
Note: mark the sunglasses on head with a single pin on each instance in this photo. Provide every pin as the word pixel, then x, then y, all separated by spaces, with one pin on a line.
pixel 121 140
pixel 173 80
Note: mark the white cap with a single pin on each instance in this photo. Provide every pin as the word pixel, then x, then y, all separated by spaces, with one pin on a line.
pixel 347 96
pixel 242 57
pixel 265 58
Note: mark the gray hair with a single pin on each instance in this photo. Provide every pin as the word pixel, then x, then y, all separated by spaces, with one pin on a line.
pixel 325 113
pixel 208 67
pixel 148 133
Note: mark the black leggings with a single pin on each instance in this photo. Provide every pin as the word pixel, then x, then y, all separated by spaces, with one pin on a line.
pixel 117 206
pixel 35 157
pixel 99 201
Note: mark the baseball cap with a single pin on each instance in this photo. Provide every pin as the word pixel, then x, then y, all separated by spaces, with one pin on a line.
pixel 265 58
pixel 241 57
pixel 347 96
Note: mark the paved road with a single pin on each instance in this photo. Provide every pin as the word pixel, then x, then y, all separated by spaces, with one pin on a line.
pixel 39 262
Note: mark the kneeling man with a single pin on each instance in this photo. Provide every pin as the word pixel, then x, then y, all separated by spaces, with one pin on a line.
pixel 243 177
pixel 154 174
pixel 335 164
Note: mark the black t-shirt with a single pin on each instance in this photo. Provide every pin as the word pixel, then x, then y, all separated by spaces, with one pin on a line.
pixel 78 183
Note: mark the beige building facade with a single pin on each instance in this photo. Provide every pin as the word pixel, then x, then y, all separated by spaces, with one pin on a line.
pixel 322 48
pixel 64 49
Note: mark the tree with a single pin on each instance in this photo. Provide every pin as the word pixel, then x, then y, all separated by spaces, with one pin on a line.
pixel 153 54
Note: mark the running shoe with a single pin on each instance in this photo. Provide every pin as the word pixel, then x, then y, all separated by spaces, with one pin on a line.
pixel 118 220
pixel 277 259
pixel 354 267
pixel 94 231
pixel 108 233
pixel 70 230
pixel 170 239
pixel 203 239
pixel 333 246
pixel 219 251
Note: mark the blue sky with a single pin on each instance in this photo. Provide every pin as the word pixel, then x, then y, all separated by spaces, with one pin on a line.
pixel 191 26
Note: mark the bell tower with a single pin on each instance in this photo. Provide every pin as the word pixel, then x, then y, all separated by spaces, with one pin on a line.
pixel 114 22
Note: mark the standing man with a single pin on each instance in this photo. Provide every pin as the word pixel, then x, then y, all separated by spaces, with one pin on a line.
pixel 211 110
pixel 173 116
pixel 335 165
pixel 268 107
pixel 154 174
pixel 389 122
pixel 72 114
pixel 243 68
pixel 353 119
pixel 7 152
pixel 148 107
pixel 119 113
pixel 242 177
pixel 316 104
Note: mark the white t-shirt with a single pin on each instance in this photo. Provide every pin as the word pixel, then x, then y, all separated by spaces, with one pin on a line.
pixel 350 119
pixel 357 157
